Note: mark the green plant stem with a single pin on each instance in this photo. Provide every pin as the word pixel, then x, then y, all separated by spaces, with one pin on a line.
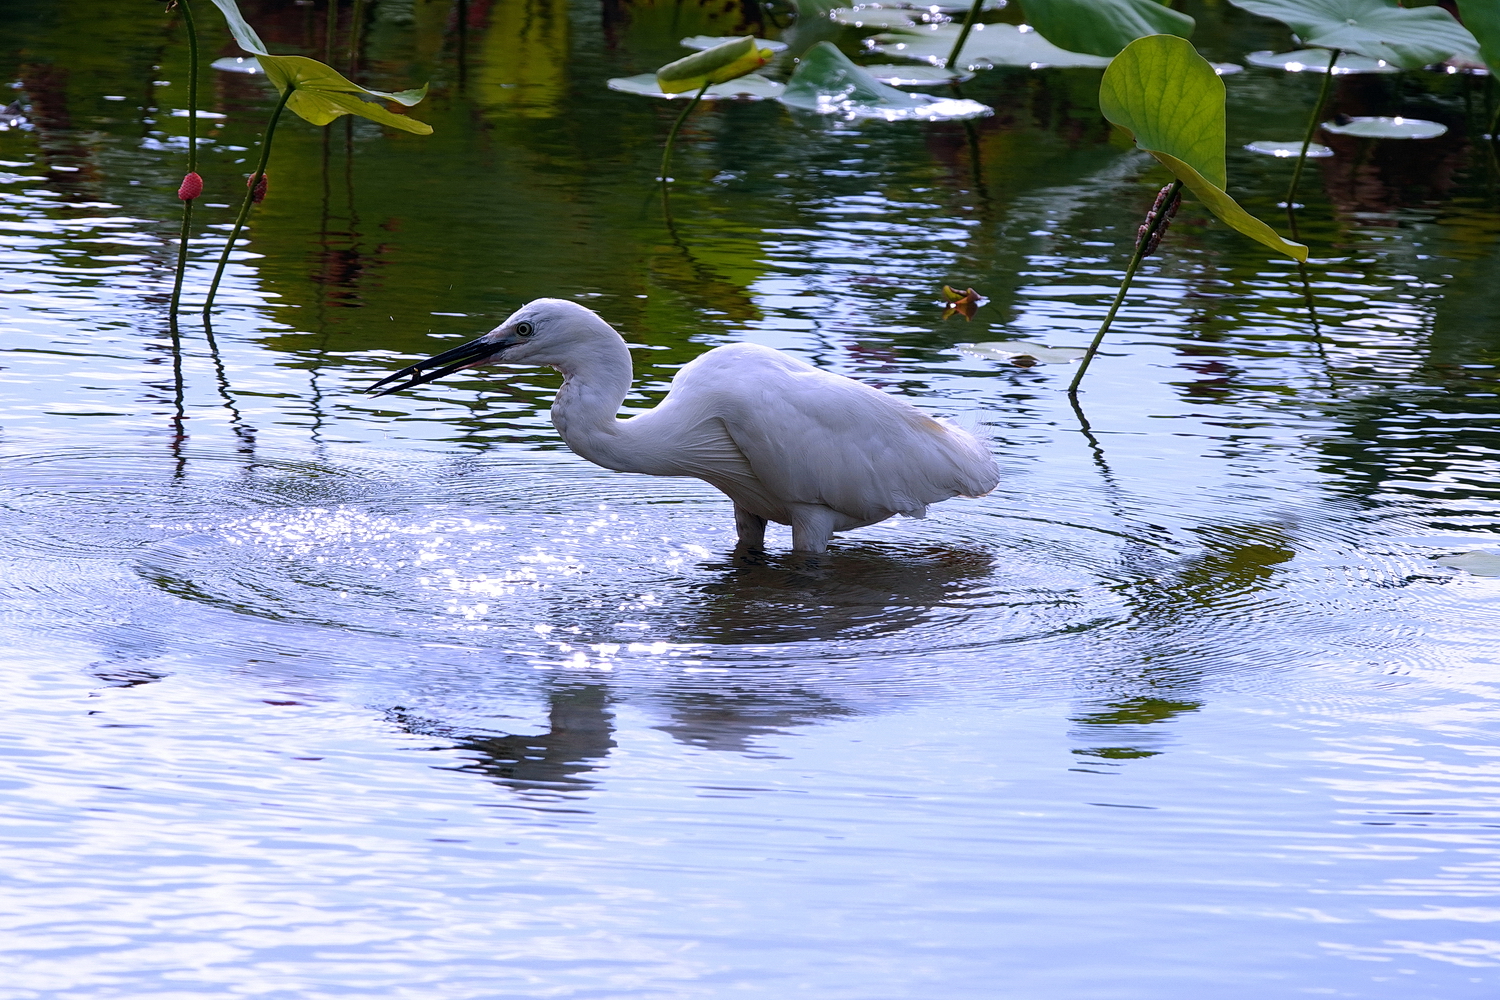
pixel 666 154
pixel 963 36
pixel 239 222
pixel 1495 124
pixel 187 205
pixel 330 31
pixel 356 22
pixel 1312 126
pixel 1142 242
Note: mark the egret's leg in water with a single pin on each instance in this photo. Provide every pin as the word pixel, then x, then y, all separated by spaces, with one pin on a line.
pixel 752 529
pixel 812 526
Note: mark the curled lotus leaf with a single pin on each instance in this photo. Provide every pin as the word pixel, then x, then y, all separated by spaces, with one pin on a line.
pixel 321 93
pixel 719 64
pixel 709 41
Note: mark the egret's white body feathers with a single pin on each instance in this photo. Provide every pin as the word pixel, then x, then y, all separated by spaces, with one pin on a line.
pixel 786 442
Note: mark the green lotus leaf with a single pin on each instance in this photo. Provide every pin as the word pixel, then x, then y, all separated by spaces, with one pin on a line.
pixel 1170 99
pixel 1482 18
pixel 321 92
pixel 827 82
pixel 1407 37
pixel 719 64
pixel 988 46
pixel 1103 27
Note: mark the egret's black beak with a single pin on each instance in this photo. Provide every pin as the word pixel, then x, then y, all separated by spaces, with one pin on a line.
pixel 474 352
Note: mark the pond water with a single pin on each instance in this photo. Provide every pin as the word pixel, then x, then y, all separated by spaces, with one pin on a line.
pixel 312 695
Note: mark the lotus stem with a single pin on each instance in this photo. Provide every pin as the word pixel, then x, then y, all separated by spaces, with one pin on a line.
pixel 1146 239
pixel 666 154
pixel 963 36
pixel 239 222
pixel 1495 124
pixel 331 31
pixel 1312 126
pixel 356 23
pixel 187 203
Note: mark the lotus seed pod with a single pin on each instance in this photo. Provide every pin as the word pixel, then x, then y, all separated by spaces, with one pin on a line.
pixel 260 189
pixel 1161 206
pixel 192 187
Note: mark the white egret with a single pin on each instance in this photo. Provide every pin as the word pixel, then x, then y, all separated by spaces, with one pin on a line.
pixel 786 442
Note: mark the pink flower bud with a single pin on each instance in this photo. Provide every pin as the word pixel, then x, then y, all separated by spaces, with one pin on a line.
pixel 192 187
pixel 260 189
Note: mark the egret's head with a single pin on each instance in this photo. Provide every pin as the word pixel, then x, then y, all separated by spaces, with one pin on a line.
pixel 552 332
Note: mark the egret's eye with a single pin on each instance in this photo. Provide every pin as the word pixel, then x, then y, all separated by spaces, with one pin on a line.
pixel 524 330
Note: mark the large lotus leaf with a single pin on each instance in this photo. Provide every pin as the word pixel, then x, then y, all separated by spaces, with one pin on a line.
pixel 1171 100
pixel 1409 38
pixel 323 93
pixel 827 82
pixel 988 46
pixel 1103 27
pixel 1482 17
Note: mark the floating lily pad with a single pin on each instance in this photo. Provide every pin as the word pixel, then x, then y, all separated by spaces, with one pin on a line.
pixel 874 17
pixel 1460 67
pixel 957 8
pixel 989 45
pixel 1478 563
pixel 709 41
pixel 916 75
pixel 1022 352
pixel 1227 69
pixel 1315 150
pixel 1316 61
pixel 237 64
pixel 827 82
pixel 1387 128
pixel 752 87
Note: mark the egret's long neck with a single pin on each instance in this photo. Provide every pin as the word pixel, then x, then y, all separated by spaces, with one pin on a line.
pixel 584 411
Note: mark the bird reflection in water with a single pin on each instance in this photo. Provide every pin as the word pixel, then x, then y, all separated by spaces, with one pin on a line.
pixel 868 591
pixel 559 764
pixel 579 737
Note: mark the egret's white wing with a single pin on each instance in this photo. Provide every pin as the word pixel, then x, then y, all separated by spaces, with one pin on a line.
pixel 811 436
